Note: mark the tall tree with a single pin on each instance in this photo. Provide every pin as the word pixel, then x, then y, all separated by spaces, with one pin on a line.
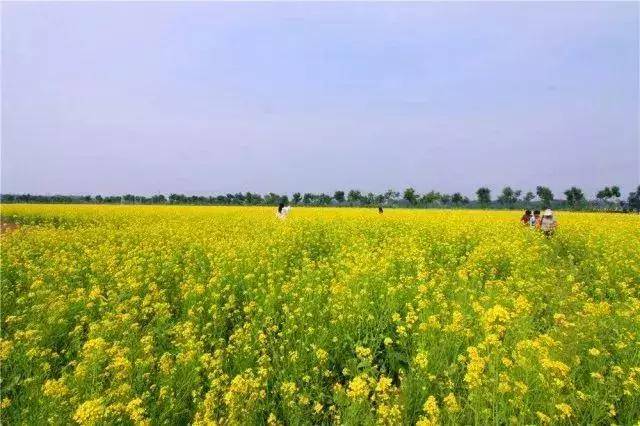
pixel 634 200
pixel 545 195
pixel 484 195
pixel 509 197
pixel 529 196
pixel 615 191
pixel 339 196
pixel 354 196
pixel 390 195
pixel 324 199
pixel 432 196
pixel 457 198
pixel 410 195
pixel 296 197
pixel 308 198
pixel 605 194
pixel 575 196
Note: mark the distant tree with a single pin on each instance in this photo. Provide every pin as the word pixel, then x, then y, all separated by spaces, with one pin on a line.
pixel 370 198
pixel 529 196
pixel 380 199
pixel 296 197
pixel 339 196
pixel 99 199
pixel 575 197
pixel 272 199
pixel 457 198
pixel 432 197
pixel 354 196
pixel 634 200
pixel 284 199
pixel 158 199
pixel 484 195
pixel 324 199
pixel 390 196
pixel 445 198
pixel 307 198
pixel 410 195
pixel 604 194
pixel 615 191
pixel 545 195
pixel 509 197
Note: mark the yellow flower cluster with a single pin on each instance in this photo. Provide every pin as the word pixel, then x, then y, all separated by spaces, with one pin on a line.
pixel 225 315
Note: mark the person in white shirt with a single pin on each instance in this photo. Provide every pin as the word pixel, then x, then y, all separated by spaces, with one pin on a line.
pixel 548 224
pixel 283 211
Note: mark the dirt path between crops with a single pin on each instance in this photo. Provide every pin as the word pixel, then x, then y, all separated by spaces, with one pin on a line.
pixel 6 227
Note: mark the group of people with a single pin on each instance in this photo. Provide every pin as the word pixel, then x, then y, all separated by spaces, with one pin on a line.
pixel 545 222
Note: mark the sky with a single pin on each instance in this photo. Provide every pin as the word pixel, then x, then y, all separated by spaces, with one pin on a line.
pixel 207 98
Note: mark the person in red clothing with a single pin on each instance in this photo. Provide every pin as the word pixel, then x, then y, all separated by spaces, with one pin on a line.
pixel 526 217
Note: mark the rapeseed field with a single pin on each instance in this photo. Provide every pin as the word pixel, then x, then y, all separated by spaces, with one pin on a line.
pixel 152 315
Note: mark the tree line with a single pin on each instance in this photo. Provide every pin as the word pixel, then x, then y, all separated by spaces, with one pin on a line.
pixel 609 199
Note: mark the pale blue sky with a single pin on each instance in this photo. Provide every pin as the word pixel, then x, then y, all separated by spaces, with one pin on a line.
pixel 218 97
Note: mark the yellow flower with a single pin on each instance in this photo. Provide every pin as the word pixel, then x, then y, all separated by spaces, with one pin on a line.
pixel 322 355
pixel 5 349
pixel 544 419
pixel 362 352
pixel 475 368
pixel 451 403
pixel 359 387
pixel 430 407
pixel 422 360
pixel 565 410
pixel 90 412
pixel 55 388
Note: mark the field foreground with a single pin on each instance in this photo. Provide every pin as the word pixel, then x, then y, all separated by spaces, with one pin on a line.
pixel 203 315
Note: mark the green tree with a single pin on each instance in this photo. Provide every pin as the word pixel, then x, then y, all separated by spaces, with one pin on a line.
pixel 354 196
pixel 324 199
pixel 339 196
pixel 634 200
pixel 509 197
pixel 410 195
pixel 370 198
pixel 529 196
pixel 575 197
pixel 432 197
pixel 615 191
pixel 308 198
pixel 484 196
pixel 545 195
pixel 296 197
pixel 605 194
pixel 457 198
pixel 391 196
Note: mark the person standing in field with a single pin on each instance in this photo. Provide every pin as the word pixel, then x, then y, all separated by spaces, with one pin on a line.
pixel 380 211
pixel 526 217
pixel 282 211
pixel 548 224
pixel 534 220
